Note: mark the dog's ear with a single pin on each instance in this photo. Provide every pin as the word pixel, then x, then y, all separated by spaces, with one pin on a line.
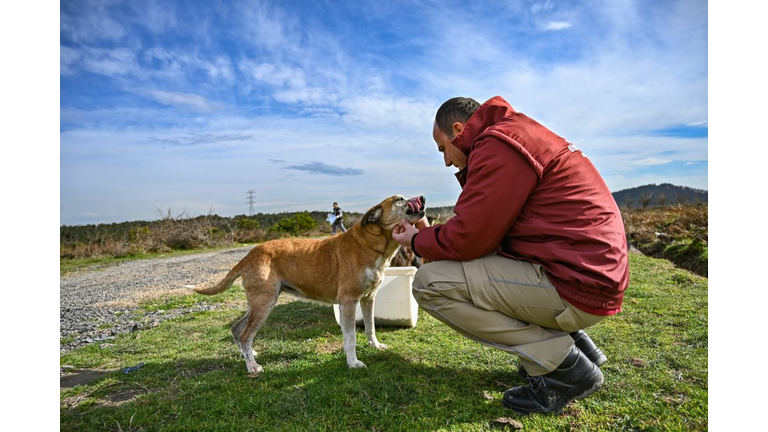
pixel 372 216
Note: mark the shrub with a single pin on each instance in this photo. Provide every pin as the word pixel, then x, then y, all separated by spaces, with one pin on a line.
pixel 299 224
pixel 138 233
pixel 677 232
pixel 247 224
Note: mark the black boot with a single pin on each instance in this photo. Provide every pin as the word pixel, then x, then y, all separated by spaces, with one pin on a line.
pixel 576 377
pixel 584 344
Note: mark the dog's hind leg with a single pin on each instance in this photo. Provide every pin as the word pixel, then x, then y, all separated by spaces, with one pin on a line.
pixel 347 310
pixel 367 306
pixel 238 327
pixel 260 305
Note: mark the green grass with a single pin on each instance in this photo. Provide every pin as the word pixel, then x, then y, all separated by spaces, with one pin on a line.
pixel 168 302
pixel 430 379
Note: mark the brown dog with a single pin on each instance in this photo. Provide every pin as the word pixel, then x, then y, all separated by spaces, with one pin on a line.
pixel 342 269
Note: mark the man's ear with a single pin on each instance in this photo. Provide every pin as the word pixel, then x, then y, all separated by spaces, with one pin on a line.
pixel 457 128
pixel 372 216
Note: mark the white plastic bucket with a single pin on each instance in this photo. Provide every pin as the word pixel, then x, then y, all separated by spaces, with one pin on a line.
pixel 394 305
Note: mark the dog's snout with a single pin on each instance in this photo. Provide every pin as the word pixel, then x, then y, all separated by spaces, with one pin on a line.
pixel 415 204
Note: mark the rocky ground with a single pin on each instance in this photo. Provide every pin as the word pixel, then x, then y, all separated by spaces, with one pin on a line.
pixel 96 305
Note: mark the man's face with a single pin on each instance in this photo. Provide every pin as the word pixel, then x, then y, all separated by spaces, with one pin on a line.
pixel 451 154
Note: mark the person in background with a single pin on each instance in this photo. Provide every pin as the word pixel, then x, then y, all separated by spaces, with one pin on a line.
pixel 338 222
pixel 536 252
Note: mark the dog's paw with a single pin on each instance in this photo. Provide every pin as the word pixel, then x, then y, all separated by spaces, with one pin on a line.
pixel 254 372
pixel 357 364
pixel 380 346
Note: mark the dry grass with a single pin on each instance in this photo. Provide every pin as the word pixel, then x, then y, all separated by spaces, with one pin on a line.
pixel 170 233
pixel 678 233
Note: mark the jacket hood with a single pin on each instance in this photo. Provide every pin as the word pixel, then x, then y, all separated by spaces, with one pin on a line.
pixel 488 114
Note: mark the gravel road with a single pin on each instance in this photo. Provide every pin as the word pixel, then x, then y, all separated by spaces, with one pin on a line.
pixel 96 305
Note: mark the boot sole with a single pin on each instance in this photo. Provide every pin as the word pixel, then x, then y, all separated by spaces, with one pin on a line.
pixel 580 393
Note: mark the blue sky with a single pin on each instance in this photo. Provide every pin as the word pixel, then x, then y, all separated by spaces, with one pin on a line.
pixel 185 106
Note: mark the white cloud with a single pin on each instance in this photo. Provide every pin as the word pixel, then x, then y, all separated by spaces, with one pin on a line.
pixel 110 62
pixel 89 21
pixel 157 16
pixel 68 58
pixel 320 112
pixel 382 111
pixel 220 68
pixel 698 123
pixel 185 100
pixel 181 66
pixel 290 84
pixel 276 75
pixel 268 26
pixel 542 6
pixel 651 162
pixel 557 25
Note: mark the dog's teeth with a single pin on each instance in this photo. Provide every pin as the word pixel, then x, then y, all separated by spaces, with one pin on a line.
pixel 414 205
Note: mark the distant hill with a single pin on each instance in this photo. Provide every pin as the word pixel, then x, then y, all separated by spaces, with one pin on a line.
pixel 651 195
pixel 654 195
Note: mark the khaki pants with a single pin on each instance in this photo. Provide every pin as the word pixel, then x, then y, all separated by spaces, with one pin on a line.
pixel 503 303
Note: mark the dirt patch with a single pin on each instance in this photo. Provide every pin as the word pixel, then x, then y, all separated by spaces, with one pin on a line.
pixel 81 377
pixel 111 400
pixel 121 397
pixel 73 401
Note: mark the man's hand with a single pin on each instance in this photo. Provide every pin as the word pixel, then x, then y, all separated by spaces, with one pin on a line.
pixel 403 233
pixel 423 223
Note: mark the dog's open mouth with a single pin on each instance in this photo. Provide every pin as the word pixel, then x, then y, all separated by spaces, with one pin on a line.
pixel 415 206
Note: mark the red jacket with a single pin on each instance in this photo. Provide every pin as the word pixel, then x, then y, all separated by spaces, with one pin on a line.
pixel 529 194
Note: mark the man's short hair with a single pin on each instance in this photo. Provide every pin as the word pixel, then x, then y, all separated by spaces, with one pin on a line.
pixel 335 203
pixel 458 109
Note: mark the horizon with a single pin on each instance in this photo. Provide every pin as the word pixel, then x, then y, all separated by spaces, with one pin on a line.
pixel 187 106
pixel 326 211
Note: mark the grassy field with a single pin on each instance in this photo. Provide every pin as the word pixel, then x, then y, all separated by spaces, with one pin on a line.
pixel 430 379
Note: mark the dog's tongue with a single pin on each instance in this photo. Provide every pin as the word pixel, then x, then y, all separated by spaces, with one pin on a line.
pixel 414 204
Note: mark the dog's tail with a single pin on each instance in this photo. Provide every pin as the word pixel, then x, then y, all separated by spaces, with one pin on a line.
pixel 221 286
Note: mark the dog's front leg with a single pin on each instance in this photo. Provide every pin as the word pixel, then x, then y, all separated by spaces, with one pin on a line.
pixel 366 304
pixel 347 314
